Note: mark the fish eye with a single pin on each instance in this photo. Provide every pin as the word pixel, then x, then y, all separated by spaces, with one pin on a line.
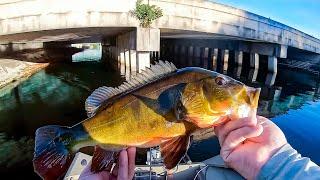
pixel 220 81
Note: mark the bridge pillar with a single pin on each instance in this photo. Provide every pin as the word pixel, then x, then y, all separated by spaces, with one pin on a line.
pixel 190 55
pixel 204 57
pixel 238 57
pixel 254 60
pixel 133 61
pixel 127 59
pixel 215 59
pixel 222 61
pixel 272 63
pixel 147 40
pixel 196 56
pixel 225 61
pixel 271 78
pixel 237 71
pixel 254 63
pixel 134 49
pixel 235 60
pixel 182 58
pixel 176 55
pixel 253 74
pixel 210 60
pixel 122 60
pixel 143 60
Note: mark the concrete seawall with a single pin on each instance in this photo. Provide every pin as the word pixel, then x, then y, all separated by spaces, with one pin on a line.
pixel 12 70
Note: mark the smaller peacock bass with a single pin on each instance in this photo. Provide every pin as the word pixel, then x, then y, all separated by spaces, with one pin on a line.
pixel 160 106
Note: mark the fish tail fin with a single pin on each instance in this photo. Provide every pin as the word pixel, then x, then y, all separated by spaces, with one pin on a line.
pixel 53 154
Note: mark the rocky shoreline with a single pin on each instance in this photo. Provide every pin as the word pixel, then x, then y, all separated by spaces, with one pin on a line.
pixel 12 70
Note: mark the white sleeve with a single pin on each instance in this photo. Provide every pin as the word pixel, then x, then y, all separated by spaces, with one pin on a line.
pixel 287 163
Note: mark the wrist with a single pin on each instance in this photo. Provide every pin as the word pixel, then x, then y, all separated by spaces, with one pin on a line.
pixel 262 165
pixel 263 156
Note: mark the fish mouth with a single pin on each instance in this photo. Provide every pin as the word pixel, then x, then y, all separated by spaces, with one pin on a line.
pixel 248 108
pixel 253 94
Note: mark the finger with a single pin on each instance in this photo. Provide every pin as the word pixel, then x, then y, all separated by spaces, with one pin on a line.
pixel 123 166
pixel 87 174
pixel 132 161
pixel 233 125
pixel 237 137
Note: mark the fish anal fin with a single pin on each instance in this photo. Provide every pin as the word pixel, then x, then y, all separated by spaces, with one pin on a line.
pixel 174 150
pixel 103 159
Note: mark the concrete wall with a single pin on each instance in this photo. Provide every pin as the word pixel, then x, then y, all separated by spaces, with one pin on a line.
pixel 180 17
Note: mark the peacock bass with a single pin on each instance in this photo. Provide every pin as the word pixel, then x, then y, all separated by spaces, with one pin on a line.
pixel 161 106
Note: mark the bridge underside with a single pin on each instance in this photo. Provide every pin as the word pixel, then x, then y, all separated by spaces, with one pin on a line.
pixel 73 35
pixel 129 49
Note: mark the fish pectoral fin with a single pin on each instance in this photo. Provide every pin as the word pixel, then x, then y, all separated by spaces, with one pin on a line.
pixel 103 159
pixel 174 150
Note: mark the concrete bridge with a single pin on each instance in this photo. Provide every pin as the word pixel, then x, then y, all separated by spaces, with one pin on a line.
pixel 229 32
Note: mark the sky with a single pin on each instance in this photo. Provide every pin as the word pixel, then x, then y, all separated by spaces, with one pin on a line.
pixel 303 15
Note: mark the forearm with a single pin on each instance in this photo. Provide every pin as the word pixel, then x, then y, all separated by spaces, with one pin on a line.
pixel 287 163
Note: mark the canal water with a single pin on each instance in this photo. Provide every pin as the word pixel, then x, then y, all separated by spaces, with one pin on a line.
pixel 56 95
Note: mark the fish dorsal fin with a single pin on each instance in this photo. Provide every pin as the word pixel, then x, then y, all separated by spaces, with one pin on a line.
pixel 156 71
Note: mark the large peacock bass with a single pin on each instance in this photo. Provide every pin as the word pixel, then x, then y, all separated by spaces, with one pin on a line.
pixel 160 106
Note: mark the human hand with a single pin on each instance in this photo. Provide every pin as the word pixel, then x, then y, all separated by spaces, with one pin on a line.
pixel 248 143
pixel 124 170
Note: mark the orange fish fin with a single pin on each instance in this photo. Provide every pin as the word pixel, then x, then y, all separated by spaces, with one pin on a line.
pixel 174 150
pixel 103 159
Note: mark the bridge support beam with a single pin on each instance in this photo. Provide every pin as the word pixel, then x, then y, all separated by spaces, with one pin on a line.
pixel 238 57
pixel 196 56
pixel 215 59
pixel 182 54
pixel 225 61
pixel 146 41
pixel 222 60
pixel 143 60
pixel 122 60
pixel 134 49
pixel 254 64
pixel 204 57
pixel 254 60
pixel 272 64
pixel 133 61
pixel 127 63
pixel 190 55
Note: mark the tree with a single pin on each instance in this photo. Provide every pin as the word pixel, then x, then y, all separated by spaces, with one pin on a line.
pixel 146 13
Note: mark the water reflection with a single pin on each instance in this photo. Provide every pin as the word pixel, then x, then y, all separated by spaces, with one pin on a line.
pixel 52 96
pixel 285 94
pixel 15 153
